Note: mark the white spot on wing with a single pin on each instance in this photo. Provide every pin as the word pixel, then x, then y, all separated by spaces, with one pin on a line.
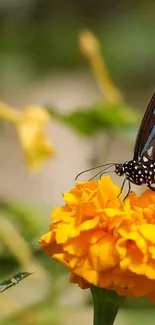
pixel 150 151
pixel 145 159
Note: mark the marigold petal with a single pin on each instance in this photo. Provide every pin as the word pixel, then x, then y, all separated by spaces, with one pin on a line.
pixel 89 224
pixel 77 246
pixel 62 214
pixel 148 232
pixel 151 249
pixel 113 212
pixel 103 241
pixel 46 239
pixel 103 254
pixel 70 199
pixel 64 233
pixel 134 239
pixel 81 282
pixel 61 257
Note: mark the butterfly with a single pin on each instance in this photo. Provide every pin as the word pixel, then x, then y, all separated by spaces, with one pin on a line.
pixel 141 169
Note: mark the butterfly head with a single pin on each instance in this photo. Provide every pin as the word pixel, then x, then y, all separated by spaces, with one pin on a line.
pixel 119 169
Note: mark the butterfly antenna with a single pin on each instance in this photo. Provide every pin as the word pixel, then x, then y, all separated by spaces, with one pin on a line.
pixel 93 168
pixel 112 171
pixel 102 172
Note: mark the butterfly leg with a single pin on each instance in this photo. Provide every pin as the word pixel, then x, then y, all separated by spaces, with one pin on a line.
pixel 151 188
pixel 122 187
pixel 129 190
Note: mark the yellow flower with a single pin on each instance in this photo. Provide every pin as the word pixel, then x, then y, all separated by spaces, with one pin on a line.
pixel 104 241
pixel 90 47
pixel 30 125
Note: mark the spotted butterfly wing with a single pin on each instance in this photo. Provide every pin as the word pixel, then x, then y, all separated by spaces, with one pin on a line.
pixel 146 134
pixel 141 169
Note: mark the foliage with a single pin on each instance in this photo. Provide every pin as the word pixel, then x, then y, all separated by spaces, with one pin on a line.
pixel 104 117
pixel 13 281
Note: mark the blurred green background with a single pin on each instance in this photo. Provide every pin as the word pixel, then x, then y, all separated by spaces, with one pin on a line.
pixel 42 37
pixel 41 63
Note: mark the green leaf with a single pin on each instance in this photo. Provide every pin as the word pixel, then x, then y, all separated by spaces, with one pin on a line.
pixel 100 117
pixel 81 121
pixel 116 116
pixel 13 281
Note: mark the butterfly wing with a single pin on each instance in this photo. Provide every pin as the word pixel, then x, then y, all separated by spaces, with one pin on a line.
pixel 148 154
pixel 146 133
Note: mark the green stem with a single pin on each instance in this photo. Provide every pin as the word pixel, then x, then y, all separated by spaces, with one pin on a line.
pixel 106 305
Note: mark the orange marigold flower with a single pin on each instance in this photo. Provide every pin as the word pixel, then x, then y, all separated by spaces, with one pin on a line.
pixel 104 241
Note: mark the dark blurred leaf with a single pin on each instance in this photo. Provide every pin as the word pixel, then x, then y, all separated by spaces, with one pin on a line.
pixel 100 117
pixel 29 218
pixel 13 281
pixel 8 264
pixel 80 121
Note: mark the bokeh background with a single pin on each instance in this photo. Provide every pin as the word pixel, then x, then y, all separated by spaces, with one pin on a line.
pixel 42 63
